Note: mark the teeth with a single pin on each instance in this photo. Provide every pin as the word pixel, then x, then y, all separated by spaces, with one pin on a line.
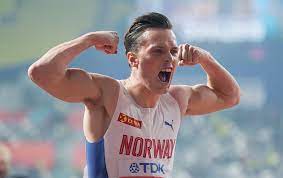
pixel 166 70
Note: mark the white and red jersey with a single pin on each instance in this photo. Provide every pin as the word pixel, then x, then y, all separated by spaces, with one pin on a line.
pixel 140 142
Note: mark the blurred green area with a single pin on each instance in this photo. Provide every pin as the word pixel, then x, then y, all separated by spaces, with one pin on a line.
pixel 30 27
pixel 34 26
pixel 6 6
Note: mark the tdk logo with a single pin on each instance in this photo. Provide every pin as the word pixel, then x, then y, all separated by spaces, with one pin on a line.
pixel 147 168
pixel 153 167
pixel 134 168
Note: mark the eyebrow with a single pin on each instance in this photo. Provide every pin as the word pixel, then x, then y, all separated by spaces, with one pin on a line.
pixel 160 46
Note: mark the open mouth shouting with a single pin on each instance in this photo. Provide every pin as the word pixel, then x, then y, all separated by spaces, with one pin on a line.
pixel 165 75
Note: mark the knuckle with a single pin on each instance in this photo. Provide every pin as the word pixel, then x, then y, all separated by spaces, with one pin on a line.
pixel 115 33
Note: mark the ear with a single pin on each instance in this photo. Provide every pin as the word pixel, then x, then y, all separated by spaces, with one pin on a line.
pixel 132 59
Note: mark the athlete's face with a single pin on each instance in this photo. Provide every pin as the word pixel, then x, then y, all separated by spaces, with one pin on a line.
pixel 157 59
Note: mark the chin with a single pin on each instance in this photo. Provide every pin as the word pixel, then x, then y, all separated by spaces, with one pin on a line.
pixel 164 91
pixel 161 90
pixel 157 87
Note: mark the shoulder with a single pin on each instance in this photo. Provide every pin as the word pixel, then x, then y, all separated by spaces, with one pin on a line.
pixel 181 93
pixel 105 83
pixel 109 91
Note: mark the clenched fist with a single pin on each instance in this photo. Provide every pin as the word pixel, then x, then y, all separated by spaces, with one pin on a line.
pixel 106 41
pixel 191 55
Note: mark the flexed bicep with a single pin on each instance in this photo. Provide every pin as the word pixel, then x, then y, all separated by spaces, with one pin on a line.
pixel 198 99
pixel 51 73
pixel 204 99
pixel 76 86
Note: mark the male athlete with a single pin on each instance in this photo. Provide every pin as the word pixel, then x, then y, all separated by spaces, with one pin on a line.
pixel 131 125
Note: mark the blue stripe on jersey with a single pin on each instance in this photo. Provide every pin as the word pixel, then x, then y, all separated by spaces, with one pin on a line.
pixel 95 157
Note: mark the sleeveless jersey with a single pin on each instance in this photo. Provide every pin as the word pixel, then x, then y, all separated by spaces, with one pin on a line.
pixel 139 142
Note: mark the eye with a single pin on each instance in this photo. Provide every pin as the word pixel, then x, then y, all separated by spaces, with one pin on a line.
pixel 174 52
pixel 158 51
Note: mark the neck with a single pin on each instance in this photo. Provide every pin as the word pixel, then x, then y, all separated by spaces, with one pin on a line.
pixel 142 95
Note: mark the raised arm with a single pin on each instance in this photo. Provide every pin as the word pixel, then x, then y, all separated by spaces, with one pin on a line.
pixel 52 74
pixel 220 92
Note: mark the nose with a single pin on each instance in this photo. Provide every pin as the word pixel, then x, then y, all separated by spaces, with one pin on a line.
pixel 170 58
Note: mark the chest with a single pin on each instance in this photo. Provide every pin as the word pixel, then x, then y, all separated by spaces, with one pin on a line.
pixel 148 124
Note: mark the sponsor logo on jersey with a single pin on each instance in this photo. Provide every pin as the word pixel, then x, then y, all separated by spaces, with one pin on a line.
pixel 134 168
pixel 129 120
pixel 169 124
pixel 147 147
pixel 147 167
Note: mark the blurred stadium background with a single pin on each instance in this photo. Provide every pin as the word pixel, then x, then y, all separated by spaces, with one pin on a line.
pixel 45 135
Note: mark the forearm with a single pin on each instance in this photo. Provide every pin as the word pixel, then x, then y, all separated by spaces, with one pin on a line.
pixel 219 79
pixel 52 65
